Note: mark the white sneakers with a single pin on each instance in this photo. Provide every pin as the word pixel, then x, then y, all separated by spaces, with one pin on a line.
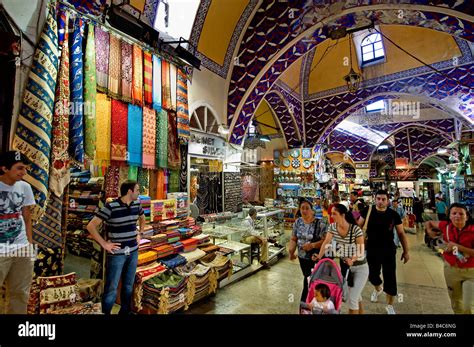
pixel 375 295
pixel 390 309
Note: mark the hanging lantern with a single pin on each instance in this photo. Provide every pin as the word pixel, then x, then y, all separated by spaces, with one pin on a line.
pixel 352 80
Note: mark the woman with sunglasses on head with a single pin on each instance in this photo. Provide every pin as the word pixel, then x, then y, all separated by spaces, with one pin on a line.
pixel 458 235
pixel 308 234
pixel 348 240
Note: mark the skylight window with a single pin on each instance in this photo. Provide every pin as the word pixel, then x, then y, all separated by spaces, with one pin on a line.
pixel 372 48
pixel 375 106
pixel 176 17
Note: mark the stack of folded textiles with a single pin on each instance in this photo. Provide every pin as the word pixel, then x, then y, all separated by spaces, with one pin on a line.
pixel 194 255
pixel 181 204
pixel 203 239
pixel 202 282
pixel 173 261
pixel 220 263
pixel 145 202
pixel 176 286
pixel 164 251
pixel 178 247
pixel 159 239
pixel 190 244
pixel 147 256
pixel 143 274
pixel 209 248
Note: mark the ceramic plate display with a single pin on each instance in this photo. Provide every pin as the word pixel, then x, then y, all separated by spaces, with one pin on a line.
pixel 280 191
pixel 306 164
pixel 277 162
pixel 285 154
pixel 286 162
pixel 295 163
pixel 276 154
pixel 306 153
pixel 295 153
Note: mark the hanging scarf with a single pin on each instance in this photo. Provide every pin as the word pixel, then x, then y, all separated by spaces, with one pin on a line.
pixel 173 150
pixel 102 58
pixel 156 83
pixel 112 181
pixel 90 94
pixel 119 130
pixel 76 126
pixel 137 89
pixel 174 181
pixel 183 169
pixel 123 174
pixel 126 72
pixel 115 66
pixel 134 135
pixel 165 85
pixel 133 173
pixel 182 107
pixel 143 180
pixel 59 175
pixel 103 112
pixel 148 79
pixel 160 186
pixel 173 86
pixel 162 139
pixel 149 137
pixel 33 132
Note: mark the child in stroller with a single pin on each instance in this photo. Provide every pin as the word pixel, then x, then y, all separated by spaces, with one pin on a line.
pixel 325 272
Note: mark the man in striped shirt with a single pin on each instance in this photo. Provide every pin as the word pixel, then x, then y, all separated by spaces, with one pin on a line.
pixel 120 218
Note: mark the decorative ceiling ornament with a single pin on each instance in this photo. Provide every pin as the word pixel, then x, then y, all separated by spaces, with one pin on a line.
pixel 253 142
pixel 352 78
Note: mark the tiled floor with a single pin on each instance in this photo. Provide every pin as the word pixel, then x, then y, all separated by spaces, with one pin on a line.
pixel 277 291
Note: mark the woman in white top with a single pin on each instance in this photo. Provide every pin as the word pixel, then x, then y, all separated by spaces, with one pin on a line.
pixel 347 241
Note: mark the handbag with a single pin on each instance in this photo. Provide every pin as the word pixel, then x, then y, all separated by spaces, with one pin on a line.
pixel 349 277
pixel 316 225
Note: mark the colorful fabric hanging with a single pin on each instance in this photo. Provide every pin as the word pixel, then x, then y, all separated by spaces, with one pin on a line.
pixel 143 180
pixel 148 78
pixel 173 86
pixel 149 137
pixel 33 132
pixel 47 233
pixel 61 26
pixel 126 72
pixel 49 262
pixel 162 139
pixel 183 169
pixel 112 181
pixel 133 173
pixel 137 89
pixel 153 183
pixel 156 83
pixel 59 175
pixel 102 46
pixel 134 135
pixel 165 85
pixel 115 66
pixel 161 189
pixel 76 146
pixel 103 114
pixel 94 7
pixel 149 12
pixel 182 107
pixel 119 131
pixel 173 150
pixel 90 94
pixel 174 181
pixel 123 174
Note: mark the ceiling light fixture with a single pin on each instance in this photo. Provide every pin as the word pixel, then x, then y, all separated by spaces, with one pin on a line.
pixel 352 78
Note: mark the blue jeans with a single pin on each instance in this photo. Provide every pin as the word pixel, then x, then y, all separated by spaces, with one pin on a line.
pixel 119 267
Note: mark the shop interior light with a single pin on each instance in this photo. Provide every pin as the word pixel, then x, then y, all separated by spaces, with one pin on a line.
pixel 265 138
pixel 442 150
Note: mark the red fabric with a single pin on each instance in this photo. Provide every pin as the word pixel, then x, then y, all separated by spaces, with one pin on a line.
pixel 119 130
pixel 148 78
pixel 464 238
pixel 331 220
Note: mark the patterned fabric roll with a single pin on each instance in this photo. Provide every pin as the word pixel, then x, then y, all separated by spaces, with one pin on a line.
pixel 103 111
pixel 102 46
pixel 33 132
pixel 126 73
pixel 165 85
pixel 182 107
pixel 143 180
pixel 173 86
pixel 148 78
pixel 137 86
pixel 61 27
pixel 119 131
pixel 112 181
pixel 156 83
pixel 47 233
pixel 183 169
pixel 90 94
pixel 134 135
pixel 76 127
pixel 115 66
pixel 173 150
pixel 59 175
pixel 149 137
pixel 162 139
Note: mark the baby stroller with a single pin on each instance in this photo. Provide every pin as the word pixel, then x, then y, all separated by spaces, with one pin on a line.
pixel 325 271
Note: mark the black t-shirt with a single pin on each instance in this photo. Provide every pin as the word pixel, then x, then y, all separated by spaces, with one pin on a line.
pixel 380 228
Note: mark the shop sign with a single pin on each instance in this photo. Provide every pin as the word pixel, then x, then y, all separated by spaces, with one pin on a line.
pixel 361 166
pixel 212 146
pixel 402 175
